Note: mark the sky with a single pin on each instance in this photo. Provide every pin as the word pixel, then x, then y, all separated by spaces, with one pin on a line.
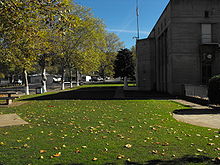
pixel 119 16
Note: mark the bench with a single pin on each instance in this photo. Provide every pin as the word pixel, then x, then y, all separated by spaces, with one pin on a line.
pixel 9 98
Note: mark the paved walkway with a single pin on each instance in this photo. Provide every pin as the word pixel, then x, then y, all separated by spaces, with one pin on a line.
pixel 199 115
pixel 10 120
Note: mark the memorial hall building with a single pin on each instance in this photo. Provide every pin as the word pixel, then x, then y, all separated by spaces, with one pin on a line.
pixel 182 48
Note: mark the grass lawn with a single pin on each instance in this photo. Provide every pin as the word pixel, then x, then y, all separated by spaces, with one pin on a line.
pixel 104 132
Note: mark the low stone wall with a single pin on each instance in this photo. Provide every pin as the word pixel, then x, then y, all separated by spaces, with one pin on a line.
pixel 196 91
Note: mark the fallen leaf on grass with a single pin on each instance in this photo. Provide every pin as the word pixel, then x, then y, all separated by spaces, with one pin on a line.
pixel 199 150
pixel 41 157
pixel 128 146
pixel 211 144
pixel 42 151
pixel 2 143
pixel 26 146
pixel 165 144
pixel 216 160
pixel 154 152
pixel 120 156
pixel 57 154
pixel 121 136
pixel 5 133
pixel 94 159
pixel 51 106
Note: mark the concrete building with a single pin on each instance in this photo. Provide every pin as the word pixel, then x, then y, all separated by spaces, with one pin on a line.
pixel 182 48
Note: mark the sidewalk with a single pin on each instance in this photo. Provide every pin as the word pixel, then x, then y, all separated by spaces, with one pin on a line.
pixel 199 115
pixel 10 120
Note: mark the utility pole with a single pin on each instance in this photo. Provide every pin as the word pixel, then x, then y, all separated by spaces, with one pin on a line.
pixel 137 14
pixel 137 38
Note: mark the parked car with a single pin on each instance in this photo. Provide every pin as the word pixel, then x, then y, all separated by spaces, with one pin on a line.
pixel 19 82
pixel 96 78
pixel 56 79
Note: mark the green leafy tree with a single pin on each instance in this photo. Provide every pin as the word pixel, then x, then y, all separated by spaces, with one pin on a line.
pixel 124 65
pixel 25 26
pixel 113 45
pixel 18 28
pixel 34 31
pixel 80 49
pixel 60 20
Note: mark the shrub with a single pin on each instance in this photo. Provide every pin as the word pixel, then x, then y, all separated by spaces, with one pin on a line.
pixel 214 90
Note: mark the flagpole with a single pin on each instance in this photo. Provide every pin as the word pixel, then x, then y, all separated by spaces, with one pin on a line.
pixel 137 14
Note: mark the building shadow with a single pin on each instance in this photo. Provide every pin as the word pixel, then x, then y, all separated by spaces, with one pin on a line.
pixel 195 100
pixel 196 111
pixel 102 93
pixel 188 159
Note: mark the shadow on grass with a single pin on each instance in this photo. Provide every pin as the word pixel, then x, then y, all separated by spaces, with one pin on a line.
pixel 180 161
pixel 101 93
pixel 196 111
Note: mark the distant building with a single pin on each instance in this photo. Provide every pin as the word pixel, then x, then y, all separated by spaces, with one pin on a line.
pixel 36 78
pixel 182 48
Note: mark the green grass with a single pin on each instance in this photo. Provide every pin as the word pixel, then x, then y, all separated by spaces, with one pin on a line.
pixel 85 129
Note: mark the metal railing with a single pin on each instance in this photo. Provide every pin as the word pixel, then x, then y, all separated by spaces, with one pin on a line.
pixel 200 91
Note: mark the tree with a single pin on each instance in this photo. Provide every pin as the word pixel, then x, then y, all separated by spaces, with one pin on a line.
pixel 18 28
pixel 124 65
pixel 60 21
pixel 113 45
pixel 80 48
pixel 34 31
pixel 25 26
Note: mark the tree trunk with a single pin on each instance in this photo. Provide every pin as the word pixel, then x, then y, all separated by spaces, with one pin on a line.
pixel 12 78
pixel 77 78
pixel 125 82
pixel 63 79
pixel 103 75
pixel 71 78
pixel 44 80
pixel 26 86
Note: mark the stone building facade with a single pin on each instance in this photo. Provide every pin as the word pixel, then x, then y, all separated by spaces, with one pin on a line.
pixel 182 48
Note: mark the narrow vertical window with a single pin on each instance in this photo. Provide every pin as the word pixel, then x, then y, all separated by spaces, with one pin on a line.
pixel 206 14
pixel 206 31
